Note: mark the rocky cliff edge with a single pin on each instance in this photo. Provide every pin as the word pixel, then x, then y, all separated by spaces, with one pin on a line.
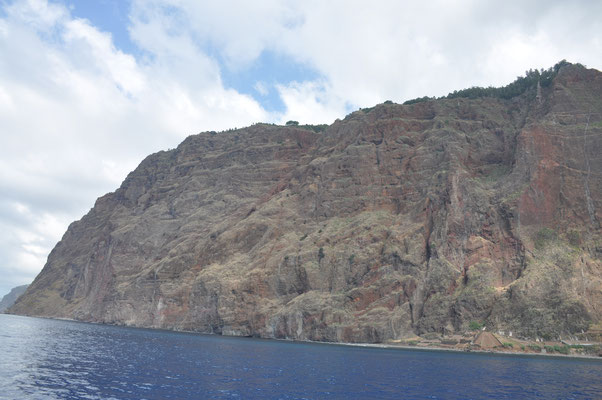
pixel 398 220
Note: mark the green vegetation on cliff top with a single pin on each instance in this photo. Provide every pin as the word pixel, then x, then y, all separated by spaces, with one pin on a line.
pixel 516 88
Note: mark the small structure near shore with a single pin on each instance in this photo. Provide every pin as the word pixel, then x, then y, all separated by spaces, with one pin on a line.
pixel 486 340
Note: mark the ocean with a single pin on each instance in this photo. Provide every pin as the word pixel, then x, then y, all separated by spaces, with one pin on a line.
pixel 52 359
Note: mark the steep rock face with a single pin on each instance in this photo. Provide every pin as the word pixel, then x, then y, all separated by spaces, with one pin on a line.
pixel 395 221
pixel 10 298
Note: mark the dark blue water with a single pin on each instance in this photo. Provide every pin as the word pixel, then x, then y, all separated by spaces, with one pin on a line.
pixel 46 359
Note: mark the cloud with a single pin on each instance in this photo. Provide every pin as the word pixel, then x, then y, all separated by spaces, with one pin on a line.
pixel 78 113
pixel 26 239
pixel 390 49
pixel 237 30
pixel 399 50
pixel 261 88
pixel 310 103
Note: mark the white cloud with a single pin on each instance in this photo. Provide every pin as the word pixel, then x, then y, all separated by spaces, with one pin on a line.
pixel 31 236
pixel 261 88
pixel 310 103
pixel 38 14
pixel 240 30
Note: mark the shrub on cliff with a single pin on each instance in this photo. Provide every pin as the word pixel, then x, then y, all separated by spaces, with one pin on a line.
pixel 320 254
pixel 522 83
pixel 544 236
pixel 475 325
pixel 418 100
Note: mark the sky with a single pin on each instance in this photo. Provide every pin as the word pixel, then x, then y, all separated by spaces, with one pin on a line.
pixel 88 88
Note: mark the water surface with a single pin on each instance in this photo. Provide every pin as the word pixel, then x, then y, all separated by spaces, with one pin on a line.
pixel 49 359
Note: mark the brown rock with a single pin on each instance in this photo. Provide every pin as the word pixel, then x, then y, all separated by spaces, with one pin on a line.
pixel 396 221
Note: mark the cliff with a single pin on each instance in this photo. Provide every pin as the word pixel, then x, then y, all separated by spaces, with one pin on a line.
pixel 10 298
pixel 396 221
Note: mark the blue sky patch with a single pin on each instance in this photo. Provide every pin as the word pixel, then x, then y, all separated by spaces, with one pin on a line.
pixel 108 16
pixel 259 80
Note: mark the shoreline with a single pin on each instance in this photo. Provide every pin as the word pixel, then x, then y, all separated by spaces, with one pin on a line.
pixel 452 350
pixel 385 346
